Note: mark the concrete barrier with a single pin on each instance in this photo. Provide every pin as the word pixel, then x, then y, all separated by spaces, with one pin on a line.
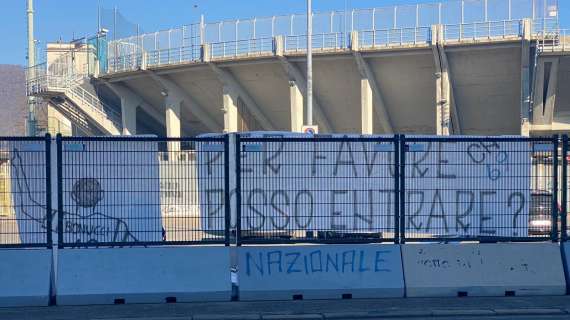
pixel 565 250
pixel 433 270
pixel 320 272
pixel 143 275
pixel 25 277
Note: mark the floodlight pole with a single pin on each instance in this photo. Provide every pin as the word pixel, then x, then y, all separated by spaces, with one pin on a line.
pixel 309 118
pixel 31 122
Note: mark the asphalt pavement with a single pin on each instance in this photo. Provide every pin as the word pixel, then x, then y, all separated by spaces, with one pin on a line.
pixel 409 308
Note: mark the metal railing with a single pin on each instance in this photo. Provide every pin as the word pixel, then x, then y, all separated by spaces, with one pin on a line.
pixel 321 42
pixel 43 79
pixel 483 30
pixel 557 41
pixel 467 19
pixel 398 37
pixel 242 48
pixel 81 96
pixel 26 194
pixel 130 62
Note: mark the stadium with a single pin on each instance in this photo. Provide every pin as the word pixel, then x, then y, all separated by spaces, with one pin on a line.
pixel 473 67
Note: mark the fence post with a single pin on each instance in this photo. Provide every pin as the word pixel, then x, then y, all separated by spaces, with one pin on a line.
pixel 564 186
pixel 238 189
pixel 59 193
pixel 396 189
pixel 49 212
pixel 227 204
pixel 402 191
pixel 554 210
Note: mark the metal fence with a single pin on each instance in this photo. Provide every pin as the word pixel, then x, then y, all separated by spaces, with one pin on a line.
pixel 143 191
pixel 309 190
pixel 464 20
pixel 116 191
pixel 564 185
pixel 554 41
pixel 399 189
pixel 485 189
pixel 25 192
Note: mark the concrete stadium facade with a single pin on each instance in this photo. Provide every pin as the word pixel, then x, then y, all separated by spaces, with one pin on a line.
pixel 480 77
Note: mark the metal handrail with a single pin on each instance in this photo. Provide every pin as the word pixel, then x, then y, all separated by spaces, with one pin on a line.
pixel 94 103
pixel 389 37
pixel 483 30
pixel 238 48
pixel 555 41
pixel 321 41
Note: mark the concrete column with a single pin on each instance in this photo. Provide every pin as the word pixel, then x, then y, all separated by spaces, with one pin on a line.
pixel 366 106
pixel 525 77
pixel 354 41
pixel 129 116
pixel 231 117
pixel 545 91
pixel 206 54
pixel 442 84
pixel 445 105
pixel 173 122
pixel 297 107
pixel 279 46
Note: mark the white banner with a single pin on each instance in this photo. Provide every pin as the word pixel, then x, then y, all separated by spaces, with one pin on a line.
pixel 452 189
pixel 110 192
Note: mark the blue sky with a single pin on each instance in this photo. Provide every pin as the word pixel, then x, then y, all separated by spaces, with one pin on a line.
pixel 63 19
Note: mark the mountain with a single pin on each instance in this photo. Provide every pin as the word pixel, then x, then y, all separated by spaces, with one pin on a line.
pixel 13 103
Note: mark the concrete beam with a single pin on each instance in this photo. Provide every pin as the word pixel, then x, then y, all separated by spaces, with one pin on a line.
pixel 295 92
pixel 231 117
pixel 367 107
pixel 128 97
pixel 174 92
pixel 546 84
pixel 525 77
pixel 295 75
pixel 231 84
pixel 129 104
pixel 173 121
pixel 372 101
pixel 447 115
pixel 297 114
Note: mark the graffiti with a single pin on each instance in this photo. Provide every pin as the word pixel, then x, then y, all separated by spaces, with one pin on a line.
pixel 86 216
pixel 317 261
pixel 452 189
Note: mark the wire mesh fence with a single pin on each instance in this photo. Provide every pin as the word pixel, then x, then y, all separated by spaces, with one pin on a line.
pixel 25 192
pixel 141 191
pixel 316 189
pixel 401 24
pixel 473 188
pixel 282 188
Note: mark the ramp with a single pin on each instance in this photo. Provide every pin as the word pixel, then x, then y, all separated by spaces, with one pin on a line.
pixel 320 272
pixel 25 277
pixel 143 275
pixel 434 270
